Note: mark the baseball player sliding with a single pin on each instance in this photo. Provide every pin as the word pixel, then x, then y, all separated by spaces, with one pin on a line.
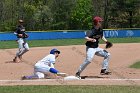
pixel 92 41
pixel 44 67
pixel 23 45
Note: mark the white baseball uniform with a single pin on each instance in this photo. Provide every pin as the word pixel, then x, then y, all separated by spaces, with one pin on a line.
pixel 43 66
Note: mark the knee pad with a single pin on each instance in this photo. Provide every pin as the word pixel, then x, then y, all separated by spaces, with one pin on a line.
pixel 106 54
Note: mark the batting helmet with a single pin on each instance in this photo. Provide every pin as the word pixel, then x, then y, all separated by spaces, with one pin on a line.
pixel 97 19
pixel 53 51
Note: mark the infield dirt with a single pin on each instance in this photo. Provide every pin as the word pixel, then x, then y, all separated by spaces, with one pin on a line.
pixel 122 56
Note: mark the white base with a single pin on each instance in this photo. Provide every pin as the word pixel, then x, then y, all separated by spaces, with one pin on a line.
pixel 71 78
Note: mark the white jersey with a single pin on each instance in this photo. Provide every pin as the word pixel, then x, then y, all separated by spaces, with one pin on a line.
pixel 49 60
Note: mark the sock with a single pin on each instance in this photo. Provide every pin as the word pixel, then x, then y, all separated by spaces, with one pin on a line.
pixel 32 77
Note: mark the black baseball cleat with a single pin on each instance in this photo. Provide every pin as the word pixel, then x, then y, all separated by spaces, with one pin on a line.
pixel 105 72
pixel 77 74
pixel 15 60
pixel 23 78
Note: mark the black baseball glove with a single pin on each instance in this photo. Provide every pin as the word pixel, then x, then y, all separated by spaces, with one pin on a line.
pixel 108 44
pixel 26 36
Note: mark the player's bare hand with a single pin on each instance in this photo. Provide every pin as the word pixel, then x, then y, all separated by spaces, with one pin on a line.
pixel 92 40
pixel 20 35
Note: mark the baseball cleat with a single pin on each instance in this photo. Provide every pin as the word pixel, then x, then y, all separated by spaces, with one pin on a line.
pixel 24 78
pixel 78 75
pixel 20 57
pixel 105 72
pixel 16 60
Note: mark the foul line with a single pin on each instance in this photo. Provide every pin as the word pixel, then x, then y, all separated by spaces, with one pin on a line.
pixel 42 80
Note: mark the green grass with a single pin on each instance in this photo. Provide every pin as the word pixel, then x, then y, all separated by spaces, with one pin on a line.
pixel 70 89
pixel 136 65
pixel 42 43
pixel 62 42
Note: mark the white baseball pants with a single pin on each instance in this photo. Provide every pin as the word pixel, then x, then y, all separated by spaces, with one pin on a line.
pixel 90 52
pixel 23 47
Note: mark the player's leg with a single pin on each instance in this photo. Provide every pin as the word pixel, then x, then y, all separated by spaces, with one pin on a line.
pixel 37 75
pixel 21 48
pixel 105 63
pixel 89 56
pixel 25 49
pixel 50 72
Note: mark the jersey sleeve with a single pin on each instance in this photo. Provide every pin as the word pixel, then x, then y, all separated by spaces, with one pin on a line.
pixel 88 34
pixel 16 31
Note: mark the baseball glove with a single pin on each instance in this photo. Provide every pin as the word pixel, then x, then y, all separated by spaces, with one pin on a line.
pixel 108 44
pixel 26 36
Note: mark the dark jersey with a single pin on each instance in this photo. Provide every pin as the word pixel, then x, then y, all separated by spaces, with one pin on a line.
pixel 20 30
pixel 95 34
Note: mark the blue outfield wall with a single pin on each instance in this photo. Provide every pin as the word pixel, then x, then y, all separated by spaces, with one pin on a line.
pixel 122 33
pixel 71 34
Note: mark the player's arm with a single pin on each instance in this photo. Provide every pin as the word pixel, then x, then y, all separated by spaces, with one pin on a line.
pixel 90 39
pixel 88 35
pixel 17 32
pixel 104 39
pixel 18 35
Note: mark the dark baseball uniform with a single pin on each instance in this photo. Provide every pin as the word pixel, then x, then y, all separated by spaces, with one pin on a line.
pixel 93 49
pixel 23 45
pixel 21 30
pixel 95 34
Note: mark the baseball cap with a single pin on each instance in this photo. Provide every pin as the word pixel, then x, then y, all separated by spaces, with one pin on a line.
pixel 20 21
pixel 54 50
pixel 97 19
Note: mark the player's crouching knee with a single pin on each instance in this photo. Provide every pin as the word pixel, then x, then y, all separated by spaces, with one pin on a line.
pixel 40 75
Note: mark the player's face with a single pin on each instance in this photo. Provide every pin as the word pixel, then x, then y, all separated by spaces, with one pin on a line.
pixel 56 54
pixel 21 23
pixel 99 23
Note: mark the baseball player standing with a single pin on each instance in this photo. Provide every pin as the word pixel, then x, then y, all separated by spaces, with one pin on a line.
pixel 92 41
pixel 45 66
pixel 22 44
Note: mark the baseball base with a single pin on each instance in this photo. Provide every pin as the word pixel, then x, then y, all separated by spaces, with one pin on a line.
pixel 71 78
